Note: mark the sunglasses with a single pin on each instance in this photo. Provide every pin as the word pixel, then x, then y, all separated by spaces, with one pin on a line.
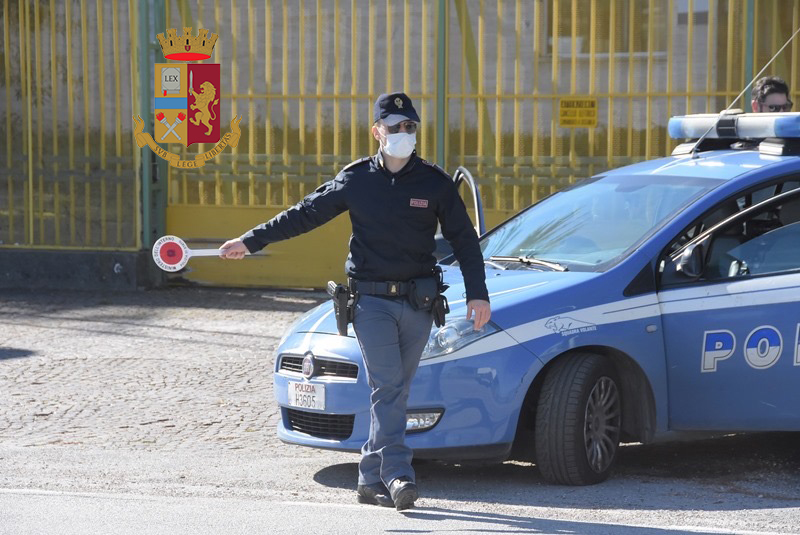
pixel 780 107
pixel 409 127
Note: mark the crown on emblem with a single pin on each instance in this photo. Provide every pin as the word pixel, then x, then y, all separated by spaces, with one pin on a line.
pixel 187 46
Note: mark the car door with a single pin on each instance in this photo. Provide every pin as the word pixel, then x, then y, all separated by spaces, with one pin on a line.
pixel 730 302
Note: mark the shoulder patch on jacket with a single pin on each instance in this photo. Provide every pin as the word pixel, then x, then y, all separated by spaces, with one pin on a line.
pixel 355 163
pixel 436 167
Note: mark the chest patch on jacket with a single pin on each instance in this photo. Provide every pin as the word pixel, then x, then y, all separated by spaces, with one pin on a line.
pixel 419 203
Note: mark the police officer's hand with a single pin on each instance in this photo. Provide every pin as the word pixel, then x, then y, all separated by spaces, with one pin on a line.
pixel 233 249
pixel 482 312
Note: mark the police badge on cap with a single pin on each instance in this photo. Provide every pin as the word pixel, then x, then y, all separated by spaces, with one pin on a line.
pixel 394 108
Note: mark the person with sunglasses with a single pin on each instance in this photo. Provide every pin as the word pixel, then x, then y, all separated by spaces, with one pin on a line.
pixel 396 200
pixel 771 94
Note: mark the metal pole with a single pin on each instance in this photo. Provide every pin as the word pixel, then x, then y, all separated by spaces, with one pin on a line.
pixel 749 49
pixel 145 110
pixel 441 88
pixel 158 199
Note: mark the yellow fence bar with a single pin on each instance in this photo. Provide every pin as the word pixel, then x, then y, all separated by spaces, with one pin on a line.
pixel 337 74
pixel 28 192
pixel 251 138
pixel 406 87
pixel 354 74
pixel 39 197
pixel 670 58
pixel 710 51
pixel 537 53
pixel 632 27
pixel 517 91
pixel 554 139
pixel 573 71
pixel 498 107
pixel 117 126
pixel 285 102
pixel 648 151
pixel 269 142
pixel 7 70
pixel 388 20
pixel 795 72
pixel 319 89
pixel 592 134
pixel 424 63
pixel 689 46
pixel 612 63
pixel 54 124
pixel 301 119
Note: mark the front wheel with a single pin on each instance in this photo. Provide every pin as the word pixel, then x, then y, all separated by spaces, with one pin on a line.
pixel 578 420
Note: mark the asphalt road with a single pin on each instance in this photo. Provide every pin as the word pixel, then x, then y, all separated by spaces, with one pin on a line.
pixel 152 412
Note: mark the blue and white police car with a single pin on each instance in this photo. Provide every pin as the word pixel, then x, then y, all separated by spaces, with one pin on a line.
pixel 657 298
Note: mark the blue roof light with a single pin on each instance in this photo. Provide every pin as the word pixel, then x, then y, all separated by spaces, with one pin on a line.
pixel 735 125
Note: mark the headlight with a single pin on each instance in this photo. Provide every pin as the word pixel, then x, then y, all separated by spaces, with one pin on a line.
pixel 453 335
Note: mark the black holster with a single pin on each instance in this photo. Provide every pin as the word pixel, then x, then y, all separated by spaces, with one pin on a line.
pixel 440 305
pixel 343 305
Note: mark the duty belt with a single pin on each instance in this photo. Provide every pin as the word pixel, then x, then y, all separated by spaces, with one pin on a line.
pixel 379 288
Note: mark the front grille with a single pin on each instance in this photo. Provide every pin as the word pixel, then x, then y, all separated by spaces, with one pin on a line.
pixel 330 426
pixel 336 368
pixel 292 364
pixel 325 367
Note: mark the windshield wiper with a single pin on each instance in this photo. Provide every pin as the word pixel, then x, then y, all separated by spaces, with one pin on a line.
pixel 530 261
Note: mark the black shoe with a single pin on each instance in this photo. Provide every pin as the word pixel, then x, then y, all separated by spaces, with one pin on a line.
pixel 403 492
pixel 375 494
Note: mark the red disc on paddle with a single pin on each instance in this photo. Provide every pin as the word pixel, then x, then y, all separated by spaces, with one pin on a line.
pixel 171 253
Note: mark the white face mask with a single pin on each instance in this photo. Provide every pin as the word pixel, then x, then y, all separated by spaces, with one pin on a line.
pixel 400 145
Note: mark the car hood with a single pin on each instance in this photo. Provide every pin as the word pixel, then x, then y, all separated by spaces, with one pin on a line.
pixel 508 289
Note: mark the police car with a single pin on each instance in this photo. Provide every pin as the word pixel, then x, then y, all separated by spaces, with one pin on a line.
pixel 657 298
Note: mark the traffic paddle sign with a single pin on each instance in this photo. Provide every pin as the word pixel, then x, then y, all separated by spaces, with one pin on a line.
pixel 171 253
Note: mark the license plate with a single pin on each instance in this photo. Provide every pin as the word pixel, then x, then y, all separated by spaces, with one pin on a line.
pixel 307 395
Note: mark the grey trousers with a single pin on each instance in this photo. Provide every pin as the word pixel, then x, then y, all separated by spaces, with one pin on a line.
pixel 392 336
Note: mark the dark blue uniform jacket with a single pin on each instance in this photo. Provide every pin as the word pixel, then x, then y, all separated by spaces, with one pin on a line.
pixel 394 218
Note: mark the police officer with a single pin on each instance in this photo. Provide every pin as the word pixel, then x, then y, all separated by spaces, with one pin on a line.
pixel 395 200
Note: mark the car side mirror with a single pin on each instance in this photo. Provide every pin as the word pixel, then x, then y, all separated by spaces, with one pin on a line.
pixel 690 262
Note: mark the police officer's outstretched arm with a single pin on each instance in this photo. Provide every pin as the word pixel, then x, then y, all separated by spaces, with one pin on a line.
pixel 317 208
pixel 458 230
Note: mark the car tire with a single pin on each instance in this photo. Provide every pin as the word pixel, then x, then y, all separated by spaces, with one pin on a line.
pixel 578 420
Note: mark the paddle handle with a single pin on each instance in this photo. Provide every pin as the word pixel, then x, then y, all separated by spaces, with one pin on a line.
pixel 206 252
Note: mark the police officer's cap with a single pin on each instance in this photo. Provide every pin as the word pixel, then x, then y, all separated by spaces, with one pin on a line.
pixel 394 108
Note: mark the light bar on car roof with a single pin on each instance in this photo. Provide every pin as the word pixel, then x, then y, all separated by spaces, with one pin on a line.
pixel 735 125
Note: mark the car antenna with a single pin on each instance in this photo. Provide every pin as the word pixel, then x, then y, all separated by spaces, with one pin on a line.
pixel 723 112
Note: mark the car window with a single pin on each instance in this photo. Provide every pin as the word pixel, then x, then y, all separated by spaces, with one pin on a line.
pixel 764 242
pixel 593 225
pixel 732 206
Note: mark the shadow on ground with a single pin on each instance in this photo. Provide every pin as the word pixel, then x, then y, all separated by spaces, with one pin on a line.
pixel 741 472
pixel 8 353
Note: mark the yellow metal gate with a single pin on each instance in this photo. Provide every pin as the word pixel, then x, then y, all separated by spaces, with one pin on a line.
pixel 68 171
pixel 497 84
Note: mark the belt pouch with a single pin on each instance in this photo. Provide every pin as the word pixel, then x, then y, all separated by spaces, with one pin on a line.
pixel 422 292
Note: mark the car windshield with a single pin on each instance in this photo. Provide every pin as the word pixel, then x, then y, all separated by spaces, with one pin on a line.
pixel 594 224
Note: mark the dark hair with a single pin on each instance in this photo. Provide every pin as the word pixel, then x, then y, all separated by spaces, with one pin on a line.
pixel 767 85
